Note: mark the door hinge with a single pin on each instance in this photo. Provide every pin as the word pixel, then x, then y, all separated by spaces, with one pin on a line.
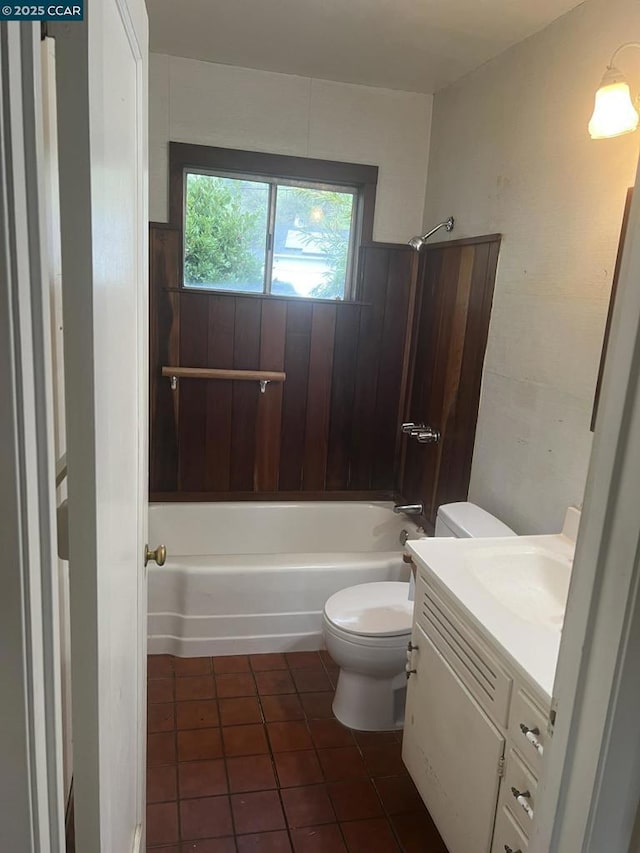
pixel 501 767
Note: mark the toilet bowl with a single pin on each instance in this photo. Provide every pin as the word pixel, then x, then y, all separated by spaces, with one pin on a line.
pixel 367 629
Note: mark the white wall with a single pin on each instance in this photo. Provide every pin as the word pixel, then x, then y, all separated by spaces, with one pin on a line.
pixel 200 102
pixel 510 153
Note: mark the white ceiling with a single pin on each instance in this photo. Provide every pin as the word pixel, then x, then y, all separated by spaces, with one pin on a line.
pixel 413 45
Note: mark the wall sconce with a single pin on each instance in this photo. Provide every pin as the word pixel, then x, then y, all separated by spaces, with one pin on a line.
pixel 614 113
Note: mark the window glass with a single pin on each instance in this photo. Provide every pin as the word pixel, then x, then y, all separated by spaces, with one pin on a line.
pixel 225 233
pixel 312 237
pixel 268 236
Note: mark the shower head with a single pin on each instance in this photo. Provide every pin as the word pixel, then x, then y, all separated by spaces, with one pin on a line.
pixel 418 242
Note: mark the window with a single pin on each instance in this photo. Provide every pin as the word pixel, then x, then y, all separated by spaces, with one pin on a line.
pixel 261 235
pixel 285 226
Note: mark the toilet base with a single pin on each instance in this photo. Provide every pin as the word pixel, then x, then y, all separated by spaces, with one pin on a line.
pixel 370 704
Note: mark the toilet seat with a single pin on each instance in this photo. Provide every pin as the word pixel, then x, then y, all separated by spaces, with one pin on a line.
pixel 386 641
pixel 372 610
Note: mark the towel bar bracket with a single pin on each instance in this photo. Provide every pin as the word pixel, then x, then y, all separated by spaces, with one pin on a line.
pixel 263 384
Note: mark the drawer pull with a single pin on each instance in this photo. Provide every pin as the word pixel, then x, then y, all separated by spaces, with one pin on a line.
pixel 508 849
pixel 522 798
pixel 532 736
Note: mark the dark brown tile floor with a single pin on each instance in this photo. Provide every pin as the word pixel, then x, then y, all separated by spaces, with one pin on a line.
pixel 245 756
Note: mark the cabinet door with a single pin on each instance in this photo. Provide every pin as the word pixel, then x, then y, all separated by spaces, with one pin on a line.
pixel 452 751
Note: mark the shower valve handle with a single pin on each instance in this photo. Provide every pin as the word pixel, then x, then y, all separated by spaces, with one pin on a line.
pixel 428 435
pixel 421 432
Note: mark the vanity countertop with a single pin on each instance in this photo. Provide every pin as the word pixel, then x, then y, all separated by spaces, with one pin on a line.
pixel 513 590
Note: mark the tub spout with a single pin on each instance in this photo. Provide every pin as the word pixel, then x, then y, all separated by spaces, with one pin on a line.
pixel 409 509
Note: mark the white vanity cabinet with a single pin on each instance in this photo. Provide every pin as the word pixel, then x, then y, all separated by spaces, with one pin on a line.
pixel 452 750
pixel 474 734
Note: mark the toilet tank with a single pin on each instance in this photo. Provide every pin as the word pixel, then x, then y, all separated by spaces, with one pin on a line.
pixel 464 520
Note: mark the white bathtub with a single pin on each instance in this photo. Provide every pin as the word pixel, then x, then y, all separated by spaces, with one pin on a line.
pixel 242 578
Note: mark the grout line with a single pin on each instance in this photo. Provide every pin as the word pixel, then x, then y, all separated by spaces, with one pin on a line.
pixel 226 773
pixel 178 812
pixel 284 813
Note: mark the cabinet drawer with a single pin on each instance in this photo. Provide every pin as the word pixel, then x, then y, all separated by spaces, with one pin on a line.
pixel 520 791
pixel 528 730
pixel 508 837
pixel 465 653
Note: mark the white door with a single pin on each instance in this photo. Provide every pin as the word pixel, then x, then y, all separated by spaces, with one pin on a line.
pixel 101 77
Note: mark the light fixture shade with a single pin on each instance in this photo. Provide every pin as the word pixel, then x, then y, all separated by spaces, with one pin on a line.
pixel 614 113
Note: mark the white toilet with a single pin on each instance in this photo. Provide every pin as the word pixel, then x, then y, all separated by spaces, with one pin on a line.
pixel 367 629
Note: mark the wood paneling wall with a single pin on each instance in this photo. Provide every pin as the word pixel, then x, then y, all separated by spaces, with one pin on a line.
pixel 455 293
pixel 330 430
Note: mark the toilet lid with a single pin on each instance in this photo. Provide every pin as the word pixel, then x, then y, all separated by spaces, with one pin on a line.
pixel 372 609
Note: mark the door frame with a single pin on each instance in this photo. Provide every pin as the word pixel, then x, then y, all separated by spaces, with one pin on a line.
pixel 31 784
pixel 588 801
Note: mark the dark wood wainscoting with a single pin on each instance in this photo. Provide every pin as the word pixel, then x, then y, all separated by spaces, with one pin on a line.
pixel 331 428
pixel 455 292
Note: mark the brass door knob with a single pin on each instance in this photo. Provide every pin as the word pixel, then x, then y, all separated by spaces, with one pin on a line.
pixel 158 556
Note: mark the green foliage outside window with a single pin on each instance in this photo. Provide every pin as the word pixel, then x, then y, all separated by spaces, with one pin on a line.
pixel 331 235
pixel 224 241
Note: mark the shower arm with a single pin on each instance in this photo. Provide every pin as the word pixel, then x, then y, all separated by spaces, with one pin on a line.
pixel 418 242
pixel 448 224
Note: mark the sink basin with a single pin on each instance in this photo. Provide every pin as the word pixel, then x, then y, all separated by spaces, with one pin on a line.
pixel 514 589
pixel 532 582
